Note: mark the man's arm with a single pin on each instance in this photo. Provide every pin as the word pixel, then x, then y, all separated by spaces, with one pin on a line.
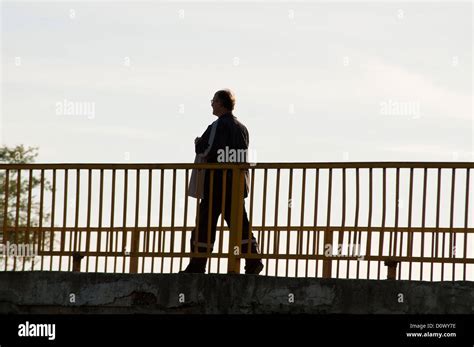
pixel 219 141
pixel 201 144
pixel 247 138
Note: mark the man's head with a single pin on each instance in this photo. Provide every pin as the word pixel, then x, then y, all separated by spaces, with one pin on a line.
pixel 223 102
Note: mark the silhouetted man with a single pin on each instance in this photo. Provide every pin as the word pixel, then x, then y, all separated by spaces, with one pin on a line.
pixel 226 134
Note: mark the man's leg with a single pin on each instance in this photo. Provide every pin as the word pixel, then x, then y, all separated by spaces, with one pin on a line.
pixel 199 237
pixel 252 266
pixel 198 241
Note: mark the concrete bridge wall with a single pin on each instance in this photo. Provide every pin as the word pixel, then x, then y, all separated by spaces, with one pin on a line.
pixel 67 292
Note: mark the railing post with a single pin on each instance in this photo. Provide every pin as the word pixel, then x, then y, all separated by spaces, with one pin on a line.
pixel 76 261
pixel 328 234
pixel 235 237
pixel 135 249
pixel 135 244
pixel 327 264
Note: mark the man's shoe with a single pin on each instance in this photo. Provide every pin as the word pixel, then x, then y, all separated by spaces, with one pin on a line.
pixel 195 266
pixel 254 268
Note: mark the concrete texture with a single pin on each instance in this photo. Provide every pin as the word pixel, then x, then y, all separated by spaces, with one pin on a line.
pixel 66 292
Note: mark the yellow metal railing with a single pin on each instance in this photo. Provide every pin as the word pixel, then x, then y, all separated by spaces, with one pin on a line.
pixel 396 220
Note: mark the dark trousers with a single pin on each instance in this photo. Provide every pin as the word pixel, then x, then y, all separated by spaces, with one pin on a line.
pixel 199 236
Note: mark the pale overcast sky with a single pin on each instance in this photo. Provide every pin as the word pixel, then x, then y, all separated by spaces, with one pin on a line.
pixel 314 82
